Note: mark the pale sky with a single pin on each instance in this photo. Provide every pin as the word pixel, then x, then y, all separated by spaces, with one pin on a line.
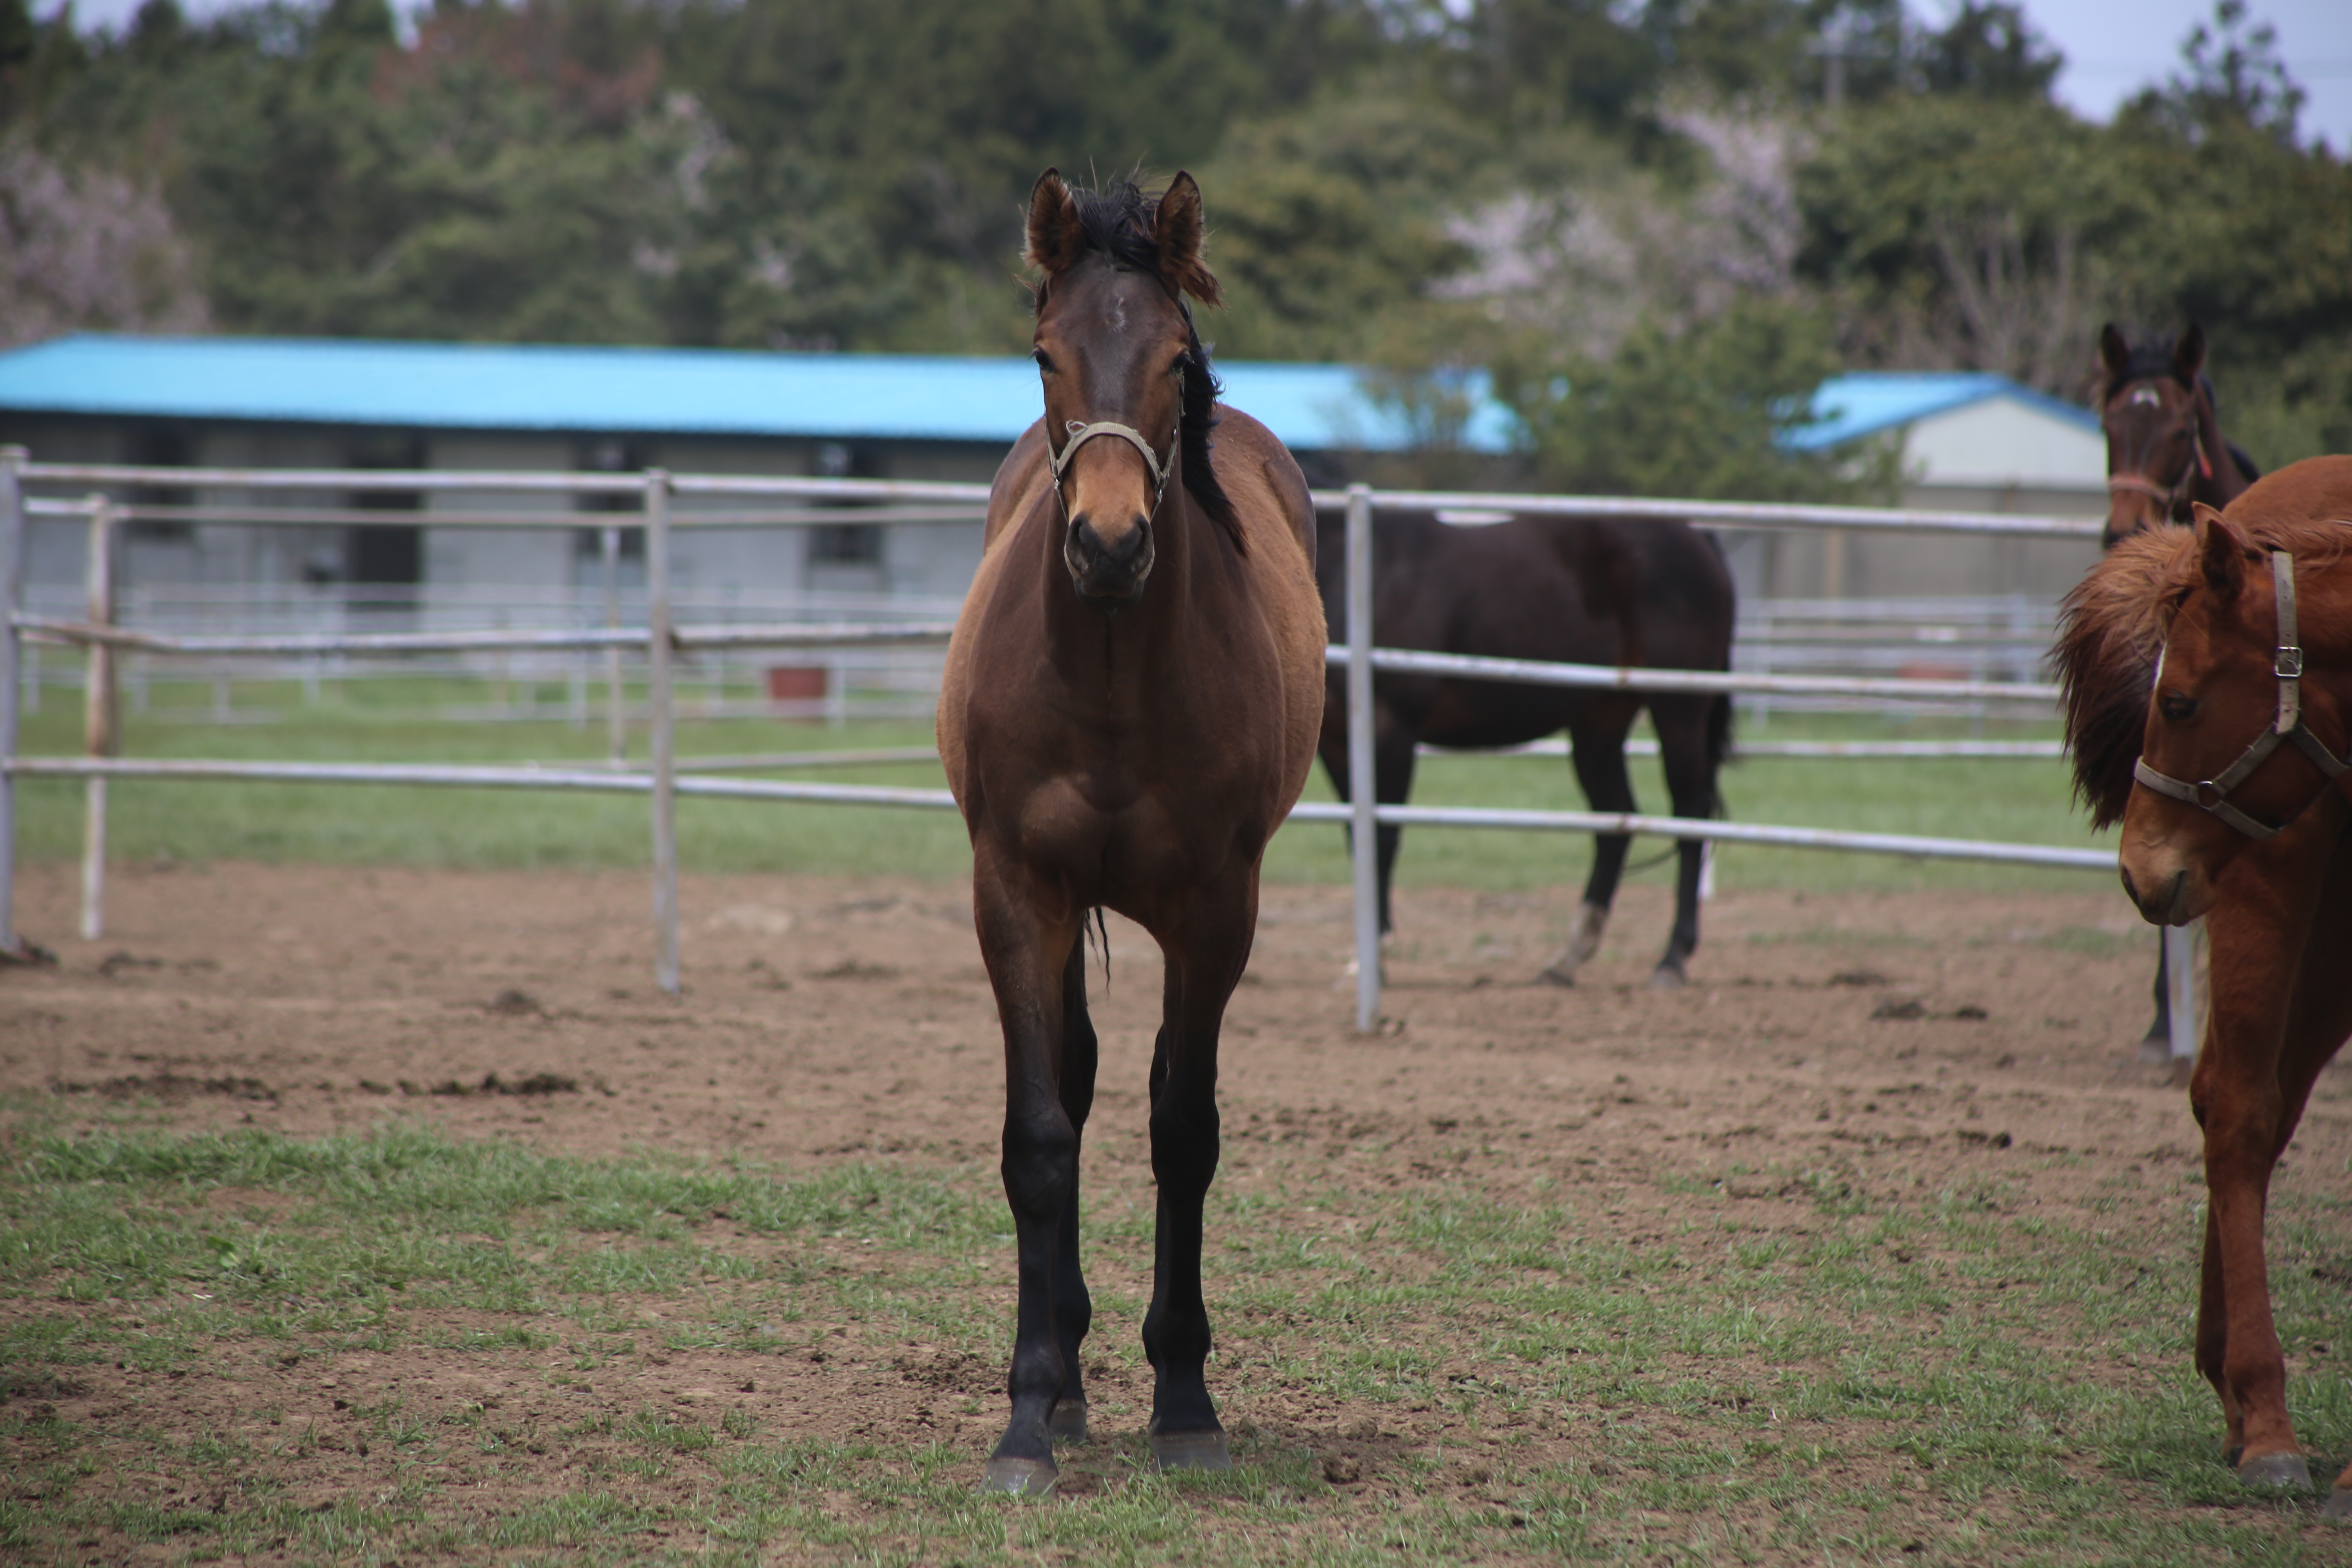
pixel 2113 47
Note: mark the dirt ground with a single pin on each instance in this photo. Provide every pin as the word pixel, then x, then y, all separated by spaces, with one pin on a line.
pixel 1909 1039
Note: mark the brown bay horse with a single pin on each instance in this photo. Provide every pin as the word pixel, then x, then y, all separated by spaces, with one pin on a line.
pixel 2165 454
pixel 1560 590
pixel 2178 685
pixel 1129 710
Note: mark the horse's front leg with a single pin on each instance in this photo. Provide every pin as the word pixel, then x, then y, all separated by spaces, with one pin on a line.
pixel 1074 1307
pixel 1027 942
pixel 1205 954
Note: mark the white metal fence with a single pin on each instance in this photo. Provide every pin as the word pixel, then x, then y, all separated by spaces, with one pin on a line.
pixel 663 632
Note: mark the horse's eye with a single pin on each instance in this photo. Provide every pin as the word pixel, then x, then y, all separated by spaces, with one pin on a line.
pixel 1045 361
pixel 1178 368
pixel 2178 710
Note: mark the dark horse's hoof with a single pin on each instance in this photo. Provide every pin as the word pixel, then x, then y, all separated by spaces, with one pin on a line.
pixel 1556 976
pixel 1668 976
pixel 1069 1422
pixel 2275 1470
pixel 2339 1504
pixel 1191 1451
pixel 1019 1478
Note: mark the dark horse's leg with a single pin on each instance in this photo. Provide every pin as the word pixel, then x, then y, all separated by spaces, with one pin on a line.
pixel 1691 748
pixel 1597 748
pixel 1074 1309
pixel 1205 953
pixel 1027 942
pixel 1395 747
pixel 2155 1045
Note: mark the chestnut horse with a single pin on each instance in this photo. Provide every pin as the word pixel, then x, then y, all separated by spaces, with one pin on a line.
pixel 2165 454
pixel 2179 665
pixel 1129 711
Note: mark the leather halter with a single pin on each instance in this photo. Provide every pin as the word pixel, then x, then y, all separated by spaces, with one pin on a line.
pixel 2213 795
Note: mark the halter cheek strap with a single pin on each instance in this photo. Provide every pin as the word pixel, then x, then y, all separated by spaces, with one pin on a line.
pixel 2286 664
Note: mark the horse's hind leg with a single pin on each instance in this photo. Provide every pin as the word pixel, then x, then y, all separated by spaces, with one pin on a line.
pixel 1597 748
pixel 1684 747
pixel 1027 950
pixel 1074 1309
pixel 1205 956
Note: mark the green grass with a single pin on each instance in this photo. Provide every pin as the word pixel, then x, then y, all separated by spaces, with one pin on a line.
pixel 1936 1376
pixel 2013 801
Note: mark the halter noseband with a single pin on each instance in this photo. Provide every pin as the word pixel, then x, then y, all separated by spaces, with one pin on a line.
pixel 1080 433
pixel 2213 795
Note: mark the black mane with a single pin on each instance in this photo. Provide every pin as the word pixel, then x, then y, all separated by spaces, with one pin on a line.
pixel 1118 224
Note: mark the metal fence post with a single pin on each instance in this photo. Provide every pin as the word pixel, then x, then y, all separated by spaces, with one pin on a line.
pixel 617 718
pixel 102 735
pixel 1362 831
pixel 11 600
pixel 2183 945
pixel 661 728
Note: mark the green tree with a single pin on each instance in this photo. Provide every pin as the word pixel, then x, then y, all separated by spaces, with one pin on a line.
pixel 1708 411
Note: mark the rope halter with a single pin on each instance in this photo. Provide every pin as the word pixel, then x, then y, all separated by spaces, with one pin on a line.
pixel 2213 795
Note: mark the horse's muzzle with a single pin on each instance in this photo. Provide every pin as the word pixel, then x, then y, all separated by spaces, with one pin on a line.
pixel 1109 569
pixel 2162 905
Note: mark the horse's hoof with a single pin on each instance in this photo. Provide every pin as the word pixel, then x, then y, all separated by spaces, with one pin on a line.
pixel 1019 1478
pixel 1668 977
pixel 1191 1451
pixel 2155 1051
pixel 1556 975
pixel 2281 1471
pixel 1069 1422
pixel 2339 1504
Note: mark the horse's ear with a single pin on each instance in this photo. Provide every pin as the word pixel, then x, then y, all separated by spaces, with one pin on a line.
pixel 1177 233
pixel 2114 351
pixel 2188 356
pixel 2220 552
pixel 1054 240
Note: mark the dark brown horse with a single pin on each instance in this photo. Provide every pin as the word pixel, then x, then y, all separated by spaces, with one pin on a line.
pixel 2165 454
pixel 1563 589
pixel 2170 652
pixel 1129 711
pixel 2164 447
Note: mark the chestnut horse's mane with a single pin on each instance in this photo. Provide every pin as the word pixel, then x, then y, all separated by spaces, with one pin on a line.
pixel 2111 629
pixel 1118 222
pixel 2110 632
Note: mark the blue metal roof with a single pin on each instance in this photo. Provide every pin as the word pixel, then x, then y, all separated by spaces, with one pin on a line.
pixel 703 392
pixel 1850 406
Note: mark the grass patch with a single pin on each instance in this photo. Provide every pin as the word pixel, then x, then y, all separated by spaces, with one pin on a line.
pixel 2007 800
pixel 1939 1375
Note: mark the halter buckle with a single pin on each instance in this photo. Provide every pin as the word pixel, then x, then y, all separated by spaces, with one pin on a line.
pixel 2288 664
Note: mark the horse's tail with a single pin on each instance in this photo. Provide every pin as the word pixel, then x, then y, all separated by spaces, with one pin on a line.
pixel 1718 746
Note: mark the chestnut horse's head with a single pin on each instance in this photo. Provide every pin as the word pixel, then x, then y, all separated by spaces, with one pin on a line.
pixel 2162 433
pixel 1130 397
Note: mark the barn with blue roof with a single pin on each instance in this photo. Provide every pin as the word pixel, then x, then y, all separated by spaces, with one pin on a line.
pixel 1969 441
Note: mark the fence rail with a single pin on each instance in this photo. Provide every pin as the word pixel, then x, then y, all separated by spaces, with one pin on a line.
pixel 667 778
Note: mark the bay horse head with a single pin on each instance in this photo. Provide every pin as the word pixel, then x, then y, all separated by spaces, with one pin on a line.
pixel 2163 436
pixel 2229 755
pixel 1130 397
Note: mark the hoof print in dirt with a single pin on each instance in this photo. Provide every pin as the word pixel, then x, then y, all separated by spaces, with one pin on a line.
pixel 1900 1007
pixel 513 1003
pixel 1858 977
pixel 1978 1139
pixel 537 1083
pixel 170 1086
